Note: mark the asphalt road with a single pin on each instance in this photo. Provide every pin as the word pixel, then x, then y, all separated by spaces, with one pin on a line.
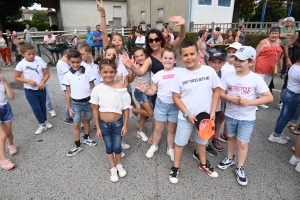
pixel 44 171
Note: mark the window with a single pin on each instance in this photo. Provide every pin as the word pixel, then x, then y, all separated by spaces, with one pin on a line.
pixel 143 16
pixel 117 12
pixel 204 2
pixel 225 3
pixel 160 15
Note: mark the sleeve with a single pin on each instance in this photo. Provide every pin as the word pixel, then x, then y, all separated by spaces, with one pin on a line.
pixel 94 34
pixel 224 82
pixel 175 86
pixel 261 86
pixel 66 80
pixel 25 31
pixel 45 38
pixel 209 41
pixel 124 70
pixel 216 82
pixel 155 78
pixel 94 97
pixel 221 39
pixel 91 76
pixel 44 64
pixel 126 100
pixel 19 67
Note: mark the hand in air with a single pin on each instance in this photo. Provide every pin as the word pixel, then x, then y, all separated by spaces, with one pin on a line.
pixel 178 20
pixel 100 7
pixel 141 87
pixel 127 61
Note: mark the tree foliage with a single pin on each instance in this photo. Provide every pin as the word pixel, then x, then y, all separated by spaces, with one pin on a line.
pixel 246 8
pixel 40 16
pixel 274 11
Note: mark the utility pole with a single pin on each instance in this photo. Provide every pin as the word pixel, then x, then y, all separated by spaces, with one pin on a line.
pixel 263 15
pixel 290 8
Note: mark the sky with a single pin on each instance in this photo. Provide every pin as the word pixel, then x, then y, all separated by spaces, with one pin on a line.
pixel 36 6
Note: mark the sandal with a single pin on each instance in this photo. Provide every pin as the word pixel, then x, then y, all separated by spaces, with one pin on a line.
pixel 294 129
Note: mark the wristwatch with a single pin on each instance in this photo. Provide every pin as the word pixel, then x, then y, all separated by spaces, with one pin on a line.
pixel 186 114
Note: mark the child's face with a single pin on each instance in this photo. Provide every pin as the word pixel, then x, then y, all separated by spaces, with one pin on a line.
pixel 168 60
pixel 75 63
pixel 216 64
pixel 189 57
pixel 230 51
pixel 140 57
pixel 110 53
pixel 29 55
pixel 107 73
pixel 242 65
pixel 86 57
pixel 118 42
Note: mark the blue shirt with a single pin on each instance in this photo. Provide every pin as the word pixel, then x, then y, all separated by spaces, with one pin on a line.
pixel 98 42
pixel 89 38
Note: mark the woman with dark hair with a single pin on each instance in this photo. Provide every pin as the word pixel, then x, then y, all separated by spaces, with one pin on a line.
pixel 202 35
pixel 240 35
pixel 140 28
pixel 230 37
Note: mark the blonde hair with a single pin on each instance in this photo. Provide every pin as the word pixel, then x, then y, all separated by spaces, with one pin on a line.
pixel 24 46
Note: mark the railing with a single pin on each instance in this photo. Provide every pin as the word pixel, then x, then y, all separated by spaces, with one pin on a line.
pixel 251 27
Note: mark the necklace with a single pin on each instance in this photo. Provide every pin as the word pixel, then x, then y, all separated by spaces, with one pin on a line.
pixel 271 43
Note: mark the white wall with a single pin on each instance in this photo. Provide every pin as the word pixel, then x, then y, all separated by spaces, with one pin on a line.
pixel 202 14
pixel 77 14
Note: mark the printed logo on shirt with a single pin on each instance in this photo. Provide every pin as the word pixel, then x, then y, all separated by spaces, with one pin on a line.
pixel 195 80
pixel 239 90
pixel 34 69
pixel 168 76
pixel 119 78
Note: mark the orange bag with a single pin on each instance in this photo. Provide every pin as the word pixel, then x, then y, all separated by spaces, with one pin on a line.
pixel 205 126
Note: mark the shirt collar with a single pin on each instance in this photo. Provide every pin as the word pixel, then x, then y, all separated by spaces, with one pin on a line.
pixel 82 70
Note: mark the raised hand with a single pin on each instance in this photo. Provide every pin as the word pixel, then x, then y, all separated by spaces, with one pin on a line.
pixel 127 61
pixel 100 7
pixel 178 20
pixel 141 87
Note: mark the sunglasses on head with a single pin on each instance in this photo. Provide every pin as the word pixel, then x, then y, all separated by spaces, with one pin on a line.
pixel 151 40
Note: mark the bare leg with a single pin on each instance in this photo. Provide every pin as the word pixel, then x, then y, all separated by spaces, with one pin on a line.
pixel 111 160
pixel 159 127
pixel 118 159
pixel 133 103
pixel 231 146
pixel 297 148
pixel 178 150
pixel 171 134
pixel 2 143
pixel 202 153
pixel 242 153
pixel 146 110
pixel 87 127
pixel 7 129
pixel 76 131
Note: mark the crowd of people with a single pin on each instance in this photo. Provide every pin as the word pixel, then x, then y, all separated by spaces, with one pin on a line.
pixel 192 102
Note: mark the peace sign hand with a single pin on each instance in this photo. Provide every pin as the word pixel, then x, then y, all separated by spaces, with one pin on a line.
pixel 100 7
pixel 178 20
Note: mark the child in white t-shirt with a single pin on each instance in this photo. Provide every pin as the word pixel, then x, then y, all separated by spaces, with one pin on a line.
pixel 165 109
pixel 241 87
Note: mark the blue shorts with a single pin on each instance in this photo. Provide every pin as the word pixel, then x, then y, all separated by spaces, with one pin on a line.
pixel 78 108
pixel 184 131
pixel 140 97
pixel 165 112
pixel 242 129
pixel 129 88
pixel 6 114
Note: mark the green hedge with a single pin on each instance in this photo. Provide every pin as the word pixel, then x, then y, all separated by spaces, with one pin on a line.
pixel 20 26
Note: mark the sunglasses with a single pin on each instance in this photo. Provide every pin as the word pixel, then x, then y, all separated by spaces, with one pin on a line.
pixel 151 40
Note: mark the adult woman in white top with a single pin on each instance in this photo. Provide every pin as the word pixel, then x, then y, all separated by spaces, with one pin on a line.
pixel 4 49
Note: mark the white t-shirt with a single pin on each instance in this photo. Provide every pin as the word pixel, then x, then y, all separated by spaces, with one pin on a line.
pixel 246 87
pixel 163 79
pixel 228 68
pixel 51 39
pixel 220 100
pixel 121 73
pixel 213 41
pixel 28 34
pixel 140 40
pixel 62 68
pixel 32 70
pixel 196 89
pixel 94 68
pixel 3 95
pixel 294 79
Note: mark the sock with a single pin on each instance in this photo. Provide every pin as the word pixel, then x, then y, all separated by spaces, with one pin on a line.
pixel 77 143
pixel 175 168
pixel 85 136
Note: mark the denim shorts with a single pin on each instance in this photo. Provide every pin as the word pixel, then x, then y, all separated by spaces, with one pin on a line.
pixel 6 114
pixel 129 88
pixel 242 129
pixel 165 112
pixel 184 131
pixel 140 97
pixel 111 133
pixel 78 108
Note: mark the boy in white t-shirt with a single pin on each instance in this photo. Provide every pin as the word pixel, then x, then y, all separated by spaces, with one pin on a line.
pixel 242 87
pixel 195 90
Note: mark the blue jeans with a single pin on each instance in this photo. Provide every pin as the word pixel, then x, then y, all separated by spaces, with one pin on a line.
pixel 296 116
pixel 242 129
pixel 78 108
pixel 6 114
pixel 37 101
pixel 290 101
pixel 67 114
pixel 111 133
pixel 48 99
pixel 98 51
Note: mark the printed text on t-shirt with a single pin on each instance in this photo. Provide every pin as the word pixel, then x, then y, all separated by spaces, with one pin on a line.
pixel 168 76
pixel 195 80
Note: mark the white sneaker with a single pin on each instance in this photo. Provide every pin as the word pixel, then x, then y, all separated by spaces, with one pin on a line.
pixel 151 151
pixel 294 160
pixel 52 113
pixel 280 106
pixel 293 148
pixel 285 137
pixel 114 174
pixel 170 152
pixel 297 168
pixel 121 170
pixel 41 129
pixel 263 106
pixel 256 108
pixel 48 124
pixel 122 155
pixel 278 140
pixel 142 135
pixel 125 146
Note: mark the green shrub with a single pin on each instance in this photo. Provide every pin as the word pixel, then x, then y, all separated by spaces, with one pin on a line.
pixel 20 26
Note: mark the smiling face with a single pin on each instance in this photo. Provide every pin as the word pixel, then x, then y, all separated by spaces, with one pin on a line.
pixel 190 57
pixel 242 65
pixel 75 63
pixel 168 60
pixel 154 41
pixel 216 64
pixel 230 58
pixel 110 53
pixel 118 42
pixel 29 55
pixel 107 73
pixel 140 57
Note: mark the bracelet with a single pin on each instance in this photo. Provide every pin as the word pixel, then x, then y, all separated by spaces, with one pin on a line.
pixel 103 15
pixel 186 114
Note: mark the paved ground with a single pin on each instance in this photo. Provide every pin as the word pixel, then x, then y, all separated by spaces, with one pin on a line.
pixel 45 172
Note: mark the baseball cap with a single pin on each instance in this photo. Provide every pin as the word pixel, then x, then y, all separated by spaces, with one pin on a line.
pixel 217 54
pixel 205 126
pixel 245 52
pixel 148 25
pixel 235 45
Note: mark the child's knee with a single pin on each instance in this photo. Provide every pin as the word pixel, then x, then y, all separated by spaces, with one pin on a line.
pixel 3 137
pixel 242 145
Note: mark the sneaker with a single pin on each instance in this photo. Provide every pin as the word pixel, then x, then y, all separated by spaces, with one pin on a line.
pixel 52 113
pixel 114 175
pixel 88 141
pixel 6 164
pixel 294 160
pixel 279 106
pixel 256 108
pixel 170 152
pixel 278 140
pixel 210 150
pixel 4 64
pixel 293 148
pixel 48 125
pixel 142 135
pixel 241 176
pixel 121 170
pixel 41 129
pixel 81 129
pixel 209 170
pixel 297 168
pixel 223 138
pixel 68 121
pixel 216 144
pixel 196 155
pixel 125 146
pixel 224 164
pixel 9 64
pixel 263 106
pixel 12 149
pixel 285 137
pixel 151 151
pixel 174 175
pixel 75 150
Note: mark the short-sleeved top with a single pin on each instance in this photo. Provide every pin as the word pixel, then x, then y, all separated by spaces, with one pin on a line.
pixel 140 40
pixel 121 73
pixel 213 41
pixel 3 95
pixel 294 79
pixel 156 65
pixel 98 42
pixel 32 70
pixel 246 87
pixel 50 39
pixel 163 79
pixel 283 29
pixel 89 38
pixel 227 68
pixel 196 89
pixel 79 83
pixel 28 34
pixel 62 68
pixel 94 68
pixel 202 51
pixel 117 100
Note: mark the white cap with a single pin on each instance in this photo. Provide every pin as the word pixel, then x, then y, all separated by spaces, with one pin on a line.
pixel 14 32
pixel 245 52
pixel 235 45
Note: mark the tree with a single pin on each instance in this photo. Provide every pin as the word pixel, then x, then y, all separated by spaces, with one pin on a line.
pixel 40 16
pixel 274 11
